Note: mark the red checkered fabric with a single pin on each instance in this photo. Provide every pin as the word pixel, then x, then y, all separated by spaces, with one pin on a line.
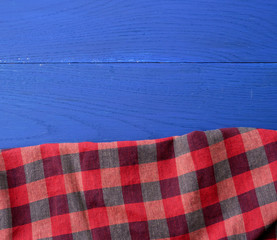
pixel 218 184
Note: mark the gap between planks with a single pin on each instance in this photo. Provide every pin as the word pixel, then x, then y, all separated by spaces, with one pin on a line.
pixel 17 63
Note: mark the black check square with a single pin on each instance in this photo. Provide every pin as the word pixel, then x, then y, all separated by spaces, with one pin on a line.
pixel 34 171
pixel 113 196
pixel 151 191
pixel 158 229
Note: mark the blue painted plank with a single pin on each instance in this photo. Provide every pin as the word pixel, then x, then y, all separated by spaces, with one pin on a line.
pixel 144 31
pixel 106 102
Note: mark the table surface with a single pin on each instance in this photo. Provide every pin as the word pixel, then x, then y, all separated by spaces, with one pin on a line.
pixel 85 70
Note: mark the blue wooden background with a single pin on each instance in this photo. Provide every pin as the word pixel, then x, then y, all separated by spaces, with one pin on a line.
pixel 102 70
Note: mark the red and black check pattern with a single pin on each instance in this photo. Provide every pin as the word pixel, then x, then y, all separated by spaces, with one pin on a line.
pixel 218 184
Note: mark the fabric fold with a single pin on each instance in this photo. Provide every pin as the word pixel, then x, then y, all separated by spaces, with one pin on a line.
pixel 216 184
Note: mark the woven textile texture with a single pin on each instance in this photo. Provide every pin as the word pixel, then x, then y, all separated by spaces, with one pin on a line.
pixel 217 184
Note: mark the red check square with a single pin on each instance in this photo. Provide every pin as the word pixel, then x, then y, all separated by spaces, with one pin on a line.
pixel 98 217
pixel 216 231
pixel 243 182
pixel 42 229
pixel 191 201
pixel 234 146
pixel 218 152
pixel 234 225
pixel 117 214
pixel 30 154
pixel 184 164
pixel 24 230
pixel 267 136
pixel 18 196
pixel 79 221
pixel 12 158
pixel 37 190
pixel 55 185
pixel 205 156
pixel 122 144
pixel 129 175
pixel 167 169
pixel 209 196
pixel 68 148
pixel 146 142
pixel 6 233
pixel 61 220
pixel 226 189
pixel 268 213
pixel 91 179
pixel 253 220
pixel 273 167
pixel 148 172
pixel 173 206
pixel 110 177
pixel 251 140
pixel 136 212
pixel 261 171
pixel 87 146
pixel 49 150
pixel 154 210
pixel 2 163
pixel 107 145
pixel 4 199
pixel 73 182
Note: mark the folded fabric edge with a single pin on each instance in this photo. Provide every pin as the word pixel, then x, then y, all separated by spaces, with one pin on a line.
pixel 113 144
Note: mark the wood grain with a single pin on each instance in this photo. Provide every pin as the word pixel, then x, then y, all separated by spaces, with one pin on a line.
pixel 138 31
pixel 106 102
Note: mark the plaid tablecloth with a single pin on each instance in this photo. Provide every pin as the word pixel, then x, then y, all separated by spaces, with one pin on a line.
pixel 217 184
